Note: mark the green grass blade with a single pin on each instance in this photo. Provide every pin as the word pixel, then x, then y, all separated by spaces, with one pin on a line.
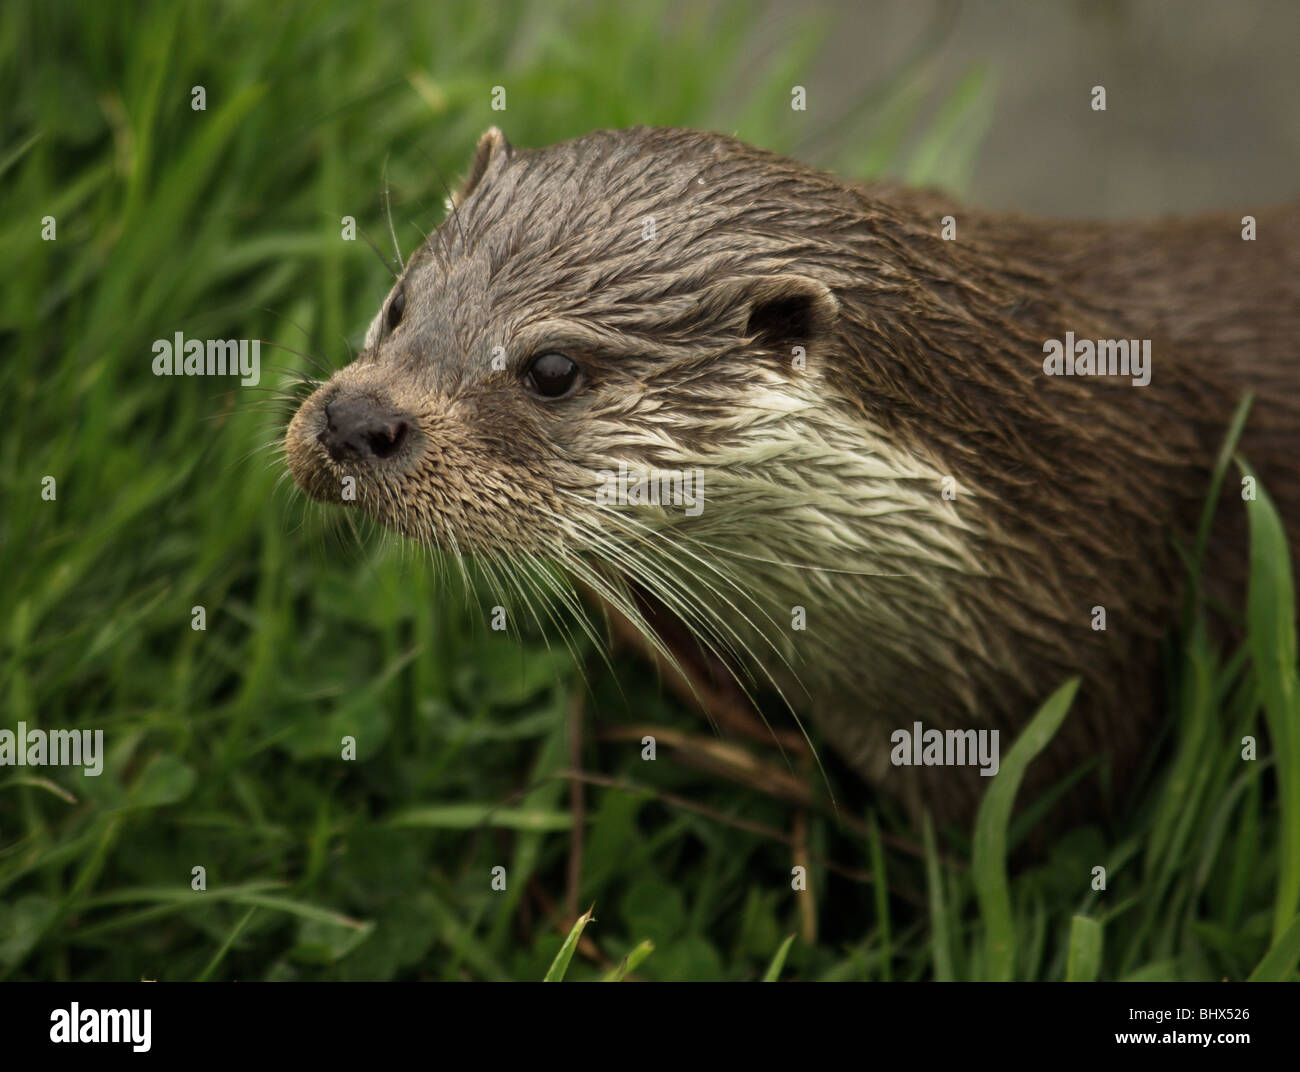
pixel 774 969
pixel 220 954
pixel 560 964
pixel 630 962
pixel 989 863
pixel 470 816
pixel 940 933
pixel 1270 612
pixel 1221 463
pixel 1279 963
pixel 1084 961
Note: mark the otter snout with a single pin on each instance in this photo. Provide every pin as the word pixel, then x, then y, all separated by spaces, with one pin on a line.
pixel 348 431
pixel 360 428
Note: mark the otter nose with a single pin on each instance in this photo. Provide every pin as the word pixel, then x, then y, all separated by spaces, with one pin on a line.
pixel 358 428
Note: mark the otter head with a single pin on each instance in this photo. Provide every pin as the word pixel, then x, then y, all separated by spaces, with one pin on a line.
pixel 668 363
pixel 618 299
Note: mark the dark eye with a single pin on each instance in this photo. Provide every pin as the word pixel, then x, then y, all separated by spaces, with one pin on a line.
pixel 396 308
pixel 552 375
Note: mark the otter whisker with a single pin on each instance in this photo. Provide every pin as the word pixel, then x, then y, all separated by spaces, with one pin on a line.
pixel 296 374
pixel 396 273
pixel 318 362
pixel 709 628
pixel 655 540
pixel 388 212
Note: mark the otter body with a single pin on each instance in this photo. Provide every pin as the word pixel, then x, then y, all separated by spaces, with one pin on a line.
pixel 878 438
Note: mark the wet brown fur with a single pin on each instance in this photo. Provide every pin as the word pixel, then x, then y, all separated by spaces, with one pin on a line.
pixel 1072 492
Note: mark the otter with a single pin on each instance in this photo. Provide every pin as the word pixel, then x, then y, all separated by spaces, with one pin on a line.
pixel 862 379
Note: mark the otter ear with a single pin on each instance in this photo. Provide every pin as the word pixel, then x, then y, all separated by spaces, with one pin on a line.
pixel 786 311
pixel 493 150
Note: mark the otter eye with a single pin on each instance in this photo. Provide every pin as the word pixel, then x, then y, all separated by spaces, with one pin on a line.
pixel 552 375
pixel 396 308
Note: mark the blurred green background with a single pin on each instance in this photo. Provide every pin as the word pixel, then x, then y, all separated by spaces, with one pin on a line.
pixel 223 744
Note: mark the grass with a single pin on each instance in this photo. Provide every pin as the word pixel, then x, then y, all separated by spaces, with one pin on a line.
pixel 223 745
